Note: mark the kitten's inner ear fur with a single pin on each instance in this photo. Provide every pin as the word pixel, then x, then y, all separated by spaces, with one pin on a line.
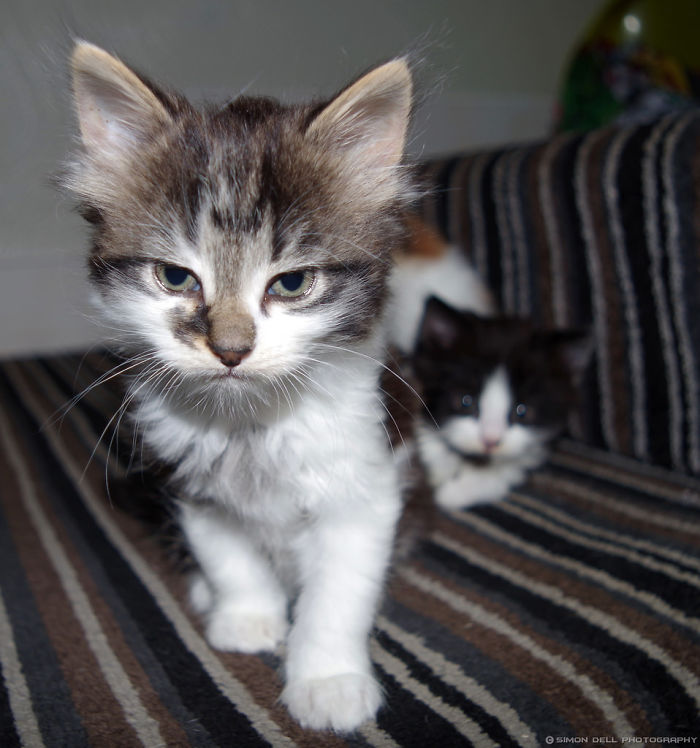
pixel 116 110
pixel 368 121
pixel 440 325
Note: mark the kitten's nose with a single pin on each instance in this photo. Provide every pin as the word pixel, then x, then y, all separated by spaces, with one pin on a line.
pixel 231 358
pixel 231 333
pixel 491 443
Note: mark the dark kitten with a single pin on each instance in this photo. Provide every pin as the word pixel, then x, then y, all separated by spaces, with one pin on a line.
pixel 499 390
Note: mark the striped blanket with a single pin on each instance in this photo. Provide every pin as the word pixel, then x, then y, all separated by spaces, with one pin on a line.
pixel 599 231
pixel 570 610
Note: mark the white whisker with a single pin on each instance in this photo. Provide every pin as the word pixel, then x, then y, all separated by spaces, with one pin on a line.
pixel 383 366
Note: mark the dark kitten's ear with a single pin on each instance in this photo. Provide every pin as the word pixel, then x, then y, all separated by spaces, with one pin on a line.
pixel 440 327
pixel 117 111
pixel 574 346
pixel 366 124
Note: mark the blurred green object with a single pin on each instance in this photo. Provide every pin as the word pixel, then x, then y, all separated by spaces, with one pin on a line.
pixel 638 58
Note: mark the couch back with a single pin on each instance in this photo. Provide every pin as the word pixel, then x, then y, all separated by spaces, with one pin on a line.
pixel 600 231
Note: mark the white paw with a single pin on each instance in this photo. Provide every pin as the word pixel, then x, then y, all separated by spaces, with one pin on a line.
pixel 340 702
pixel 476 489
pixel 455 495
pixel 201 594
pixel 234 630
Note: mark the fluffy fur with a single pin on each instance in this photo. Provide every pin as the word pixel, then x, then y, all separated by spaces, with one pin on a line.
pixel 240 257
pixel 428 266
pixel 498 390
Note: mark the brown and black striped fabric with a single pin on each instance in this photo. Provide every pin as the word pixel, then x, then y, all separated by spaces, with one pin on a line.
pixel 569 611
pixel 600 231
pixel 572 609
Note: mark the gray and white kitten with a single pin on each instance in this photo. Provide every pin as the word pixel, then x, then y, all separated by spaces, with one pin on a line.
pixel 240 257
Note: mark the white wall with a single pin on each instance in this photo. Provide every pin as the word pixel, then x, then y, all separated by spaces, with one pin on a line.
pixel 498 65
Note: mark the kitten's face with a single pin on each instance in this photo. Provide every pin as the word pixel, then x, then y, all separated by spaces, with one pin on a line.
pixel 497 388
pixel 236 244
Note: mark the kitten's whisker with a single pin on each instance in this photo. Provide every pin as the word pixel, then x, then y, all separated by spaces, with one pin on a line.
pixel 120 410
pixel 382 260
pixel 396 400
pixel 115 371
pixel 396 425
pixel 301 371
pixel 386 368
pixel 283 390
pixel 293 205
pixel 154 371
pixel 386 430
pixel 293 381
pixel 327 252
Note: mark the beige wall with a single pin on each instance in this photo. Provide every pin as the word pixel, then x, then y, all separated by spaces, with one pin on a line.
pixel 499 63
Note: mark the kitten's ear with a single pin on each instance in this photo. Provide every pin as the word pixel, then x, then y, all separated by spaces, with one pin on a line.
pixel 117 111
pixel 575 347
pixel 440 325
pixel 368 121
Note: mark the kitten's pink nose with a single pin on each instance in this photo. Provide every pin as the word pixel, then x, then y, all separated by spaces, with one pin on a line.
pixel 231 358
pixel 491 443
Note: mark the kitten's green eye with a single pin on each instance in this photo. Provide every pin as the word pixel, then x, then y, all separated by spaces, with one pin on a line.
pixel 292 285
pixel 175 278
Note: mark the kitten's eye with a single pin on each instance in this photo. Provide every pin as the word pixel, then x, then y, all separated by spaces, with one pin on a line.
pixel 521 411
pixel 175 278
pixel 292 285
pixel 467 405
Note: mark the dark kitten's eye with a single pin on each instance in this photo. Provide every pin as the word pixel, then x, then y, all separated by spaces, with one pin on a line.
pixel 522 413
pixel 292 285
pixel 467 405
pixel 175 278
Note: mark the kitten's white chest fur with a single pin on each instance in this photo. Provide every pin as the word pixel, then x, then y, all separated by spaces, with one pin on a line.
pixel 293 502
pixel 280 458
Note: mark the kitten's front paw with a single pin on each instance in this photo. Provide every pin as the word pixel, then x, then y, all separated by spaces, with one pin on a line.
pixel 341 702
pixel 473 488
pixel 234 630
pixel 201 594
pixel 456 495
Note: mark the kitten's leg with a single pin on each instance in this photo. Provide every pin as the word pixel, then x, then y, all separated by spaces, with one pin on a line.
pixel 329 681
pixel 474 484
pixel 244 603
